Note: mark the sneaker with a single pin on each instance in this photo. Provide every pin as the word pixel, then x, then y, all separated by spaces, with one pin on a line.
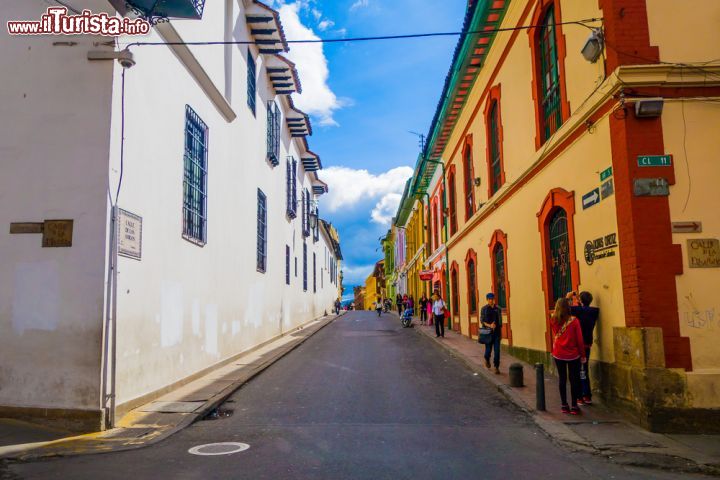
pixel 575 411
pixel 581 401
pixel 565 409
pixel 497 370
pixel 587 401
pixel 487 363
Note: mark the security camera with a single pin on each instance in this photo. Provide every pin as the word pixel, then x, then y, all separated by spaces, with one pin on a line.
pixel 124 57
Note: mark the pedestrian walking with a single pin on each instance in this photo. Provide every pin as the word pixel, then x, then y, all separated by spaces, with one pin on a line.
pixel 399 303
pixel 568 351
pixel 337 306
pixel 491 317
pixel 588 316
pixel 411 304
pixel 379 306
pixel 438 310
pixel 423 309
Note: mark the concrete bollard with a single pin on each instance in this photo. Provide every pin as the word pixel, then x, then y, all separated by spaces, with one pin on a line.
pixel 516 375
pixel 540 387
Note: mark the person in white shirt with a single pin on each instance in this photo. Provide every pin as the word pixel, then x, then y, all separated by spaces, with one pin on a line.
pixel 438 309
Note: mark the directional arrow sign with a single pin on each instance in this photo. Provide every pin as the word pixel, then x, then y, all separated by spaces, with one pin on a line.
pixel 591 198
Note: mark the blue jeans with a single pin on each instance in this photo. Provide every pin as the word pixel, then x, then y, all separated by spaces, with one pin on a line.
pixel 493 345
pixel 585 387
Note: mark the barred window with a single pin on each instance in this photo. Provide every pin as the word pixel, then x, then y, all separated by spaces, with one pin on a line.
pixel 550 106
pixel 287 264
pixel 306 213
pixel 291 177
pixel 472 287
pixel 305 267
pixel 195 178
pixel 495 149
pixel 469 191
pixel 314 273
pixel 261 232
pixel 273 133
pixel 251 81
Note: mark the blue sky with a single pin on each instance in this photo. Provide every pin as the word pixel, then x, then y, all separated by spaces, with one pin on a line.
pixel 363 98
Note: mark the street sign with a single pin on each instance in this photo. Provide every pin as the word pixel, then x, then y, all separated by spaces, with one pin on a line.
pixel 654 160
pixel 687 227
pixel 591 198
pixel 651 187
pixel 607 189
pixel 607 173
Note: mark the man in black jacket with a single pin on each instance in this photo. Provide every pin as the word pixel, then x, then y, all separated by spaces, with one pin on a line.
pixel 491 317
pixel 588 317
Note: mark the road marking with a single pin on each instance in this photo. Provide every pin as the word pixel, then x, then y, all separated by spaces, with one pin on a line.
pixel 222 448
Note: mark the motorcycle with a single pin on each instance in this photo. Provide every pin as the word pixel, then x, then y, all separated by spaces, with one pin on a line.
pixel 406 319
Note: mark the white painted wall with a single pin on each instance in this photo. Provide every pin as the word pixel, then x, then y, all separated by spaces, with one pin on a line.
pixel 54 141
pixel 182 308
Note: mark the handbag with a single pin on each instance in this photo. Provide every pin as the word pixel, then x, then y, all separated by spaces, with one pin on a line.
pixel 485 335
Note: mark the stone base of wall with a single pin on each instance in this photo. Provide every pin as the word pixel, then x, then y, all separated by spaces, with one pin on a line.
pixel 76 421
pixel 639 386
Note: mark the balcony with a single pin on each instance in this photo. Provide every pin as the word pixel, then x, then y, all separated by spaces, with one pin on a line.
pixel 189 9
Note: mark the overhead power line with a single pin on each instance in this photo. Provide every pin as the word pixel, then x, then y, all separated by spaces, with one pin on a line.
pixel 368 39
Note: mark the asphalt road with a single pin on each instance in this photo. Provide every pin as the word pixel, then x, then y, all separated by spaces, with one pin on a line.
pixel 362 399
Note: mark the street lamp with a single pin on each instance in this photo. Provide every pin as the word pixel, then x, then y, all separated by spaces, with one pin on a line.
pixel 313 215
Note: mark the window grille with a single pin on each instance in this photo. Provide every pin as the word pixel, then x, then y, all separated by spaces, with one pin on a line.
pixel 251 81
pixel 305 267
pixel 495 164
pixel 291 177
pixel 472 287
pixel 469 192
pixel 195 178
pixel 499 280
pixel 273 133
pixel 261 232
pixel 287 264
pixel 551 111
pixel 560 255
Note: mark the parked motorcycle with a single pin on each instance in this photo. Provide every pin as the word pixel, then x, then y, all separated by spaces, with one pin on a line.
pixel 406 319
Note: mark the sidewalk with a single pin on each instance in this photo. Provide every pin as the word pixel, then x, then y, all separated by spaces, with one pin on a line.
pixel 598 430
pixel 157 420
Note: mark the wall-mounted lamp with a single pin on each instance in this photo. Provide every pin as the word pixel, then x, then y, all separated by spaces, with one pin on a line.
pixel 313 214
pixel 593 46
pixel 649 107
pixel 477 181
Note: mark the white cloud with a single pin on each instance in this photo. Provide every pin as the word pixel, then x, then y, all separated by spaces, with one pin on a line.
pixel 325 24
pixel 317 98
pixel 349 187
pixel 386 208
pixel 359 4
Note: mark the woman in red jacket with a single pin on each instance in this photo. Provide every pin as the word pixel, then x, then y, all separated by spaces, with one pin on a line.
pixel 568 352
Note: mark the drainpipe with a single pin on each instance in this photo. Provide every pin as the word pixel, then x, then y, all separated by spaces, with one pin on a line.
pixel 445 224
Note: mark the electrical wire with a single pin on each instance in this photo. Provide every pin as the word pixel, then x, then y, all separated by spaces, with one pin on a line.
pixel 367 39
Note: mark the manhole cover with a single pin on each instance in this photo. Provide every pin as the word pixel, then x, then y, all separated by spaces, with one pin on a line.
pixel 223 448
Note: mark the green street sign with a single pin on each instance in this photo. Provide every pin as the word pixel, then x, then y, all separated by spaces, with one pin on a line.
pixel 607 173
pixel 654 160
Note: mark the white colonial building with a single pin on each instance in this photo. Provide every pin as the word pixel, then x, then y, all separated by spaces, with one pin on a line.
pixel 173 203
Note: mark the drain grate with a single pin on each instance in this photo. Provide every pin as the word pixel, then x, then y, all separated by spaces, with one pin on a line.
pixel 218 413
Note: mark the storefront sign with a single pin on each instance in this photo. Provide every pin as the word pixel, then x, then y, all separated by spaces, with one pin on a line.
pixel 704 253
pixel 607 189
pixel 654 160
pixel 591 198
pixel 605 174
pixel 426 275
pixel 129 235
pixel 602 247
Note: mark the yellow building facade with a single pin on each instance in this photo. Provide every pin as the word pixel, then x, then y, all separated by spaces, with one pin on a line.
pixel 566 173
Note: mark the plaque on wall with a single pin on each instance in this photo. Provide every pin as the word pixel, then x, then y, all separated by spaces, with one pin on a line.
pixel 57 233
pixel 704 253
pixel 129 234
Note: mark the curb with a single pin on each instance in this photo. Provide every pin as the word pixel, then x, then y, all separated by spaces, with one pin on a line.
pixel 35 450
pixel 563 436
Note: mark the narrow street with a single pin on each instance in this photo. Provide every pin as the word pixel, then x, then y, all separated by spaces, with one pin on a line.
pixel 363 398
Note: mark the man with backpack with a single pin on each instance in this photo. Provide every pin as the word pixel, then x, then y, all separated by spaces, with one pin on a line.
pixel 491 317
